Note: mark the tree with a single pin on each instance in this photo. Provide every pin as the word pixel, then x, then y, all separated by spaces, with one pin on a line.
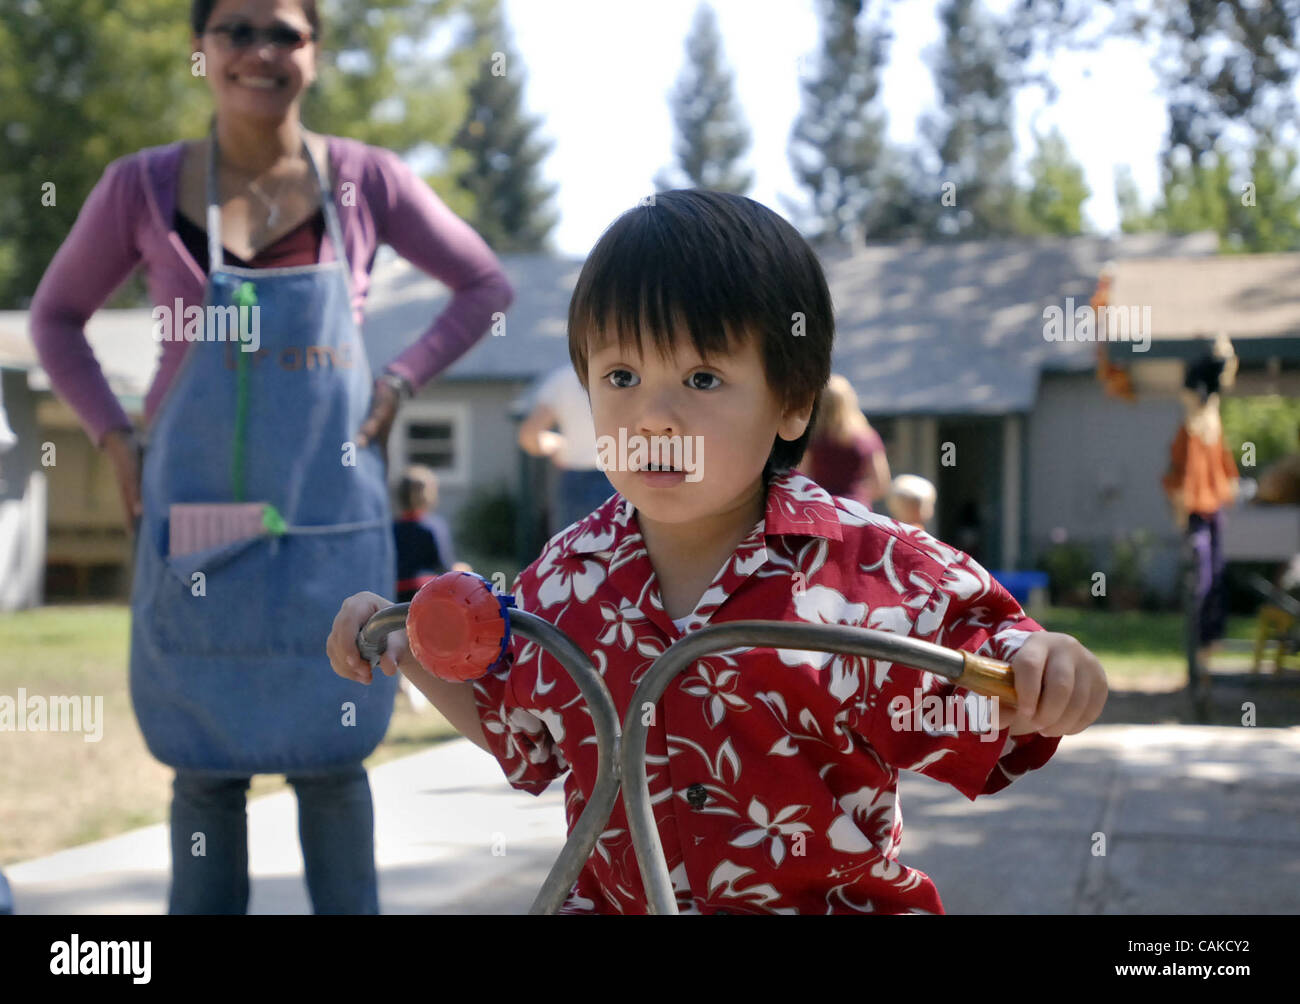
pixel 1266 206
pixel 503 171
pixel 712 135
pixel 1054 203
pixel 1254 210
pixel 1132 218
pixel 1219 61
pixel 83 82
pixel 378 84
pixel 972 136
pixel 837 142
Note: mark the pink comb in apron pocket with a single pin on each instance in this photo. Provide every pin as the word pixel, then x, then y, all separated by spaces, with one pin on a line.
pixel 197 526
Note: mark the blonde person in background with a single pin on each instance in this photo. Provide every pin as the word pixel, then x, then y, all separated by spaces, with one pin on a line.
pixel 846 455
pixel 912 499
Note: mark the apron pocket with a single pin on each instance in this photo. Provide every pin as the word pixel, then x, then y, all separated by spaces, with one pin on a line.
pixel 236 678
pixel 267 595
pixel 185 566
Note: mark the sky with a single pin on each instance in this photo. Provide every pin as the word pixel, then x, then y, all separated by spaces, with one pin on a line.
pixel 599 73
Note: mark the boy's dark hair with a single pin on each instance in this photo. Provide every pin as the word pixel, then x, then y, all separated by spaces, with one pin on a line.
pixel 723 267
pixel 201 12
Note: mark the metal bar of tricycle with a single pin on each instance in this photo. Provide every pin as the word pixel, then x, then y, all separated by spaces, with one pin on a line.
pixel 372 641
pixel 604 794
pixel 963 667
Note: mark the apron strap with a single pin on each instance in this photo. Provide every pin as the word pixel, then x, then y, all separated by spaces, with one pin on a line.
pixel 334 228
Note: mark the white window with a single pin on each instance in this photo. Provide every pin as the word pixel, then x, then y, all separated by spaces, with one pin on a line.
pixel 435 434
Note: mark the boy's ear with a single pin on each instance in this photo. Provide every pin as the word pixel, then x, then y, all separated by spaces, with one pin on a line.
pixel 794 421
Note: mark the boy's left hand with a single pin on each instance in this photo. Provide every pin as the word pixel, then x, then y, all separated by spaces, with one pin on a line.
pixel 1060 686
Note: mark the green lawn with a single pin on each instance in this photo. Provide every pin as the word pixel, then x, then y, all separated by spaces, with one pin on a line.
pixel 1134 645
pixel 59 790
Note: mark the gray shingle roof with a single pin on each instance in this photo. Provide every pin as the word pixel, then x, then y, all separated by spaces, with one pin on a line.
pixel 403 302
pixel 1247 296
pixel 958 329
pixel 920 328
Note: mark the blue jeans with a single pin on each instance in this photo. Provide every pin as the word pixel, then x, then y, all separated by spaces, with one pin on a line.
pixel 1206 536
pixel 336 826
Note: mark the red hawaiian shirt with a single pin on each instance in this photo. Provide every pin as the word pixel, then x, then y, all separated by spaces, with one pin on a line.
pixel 797 752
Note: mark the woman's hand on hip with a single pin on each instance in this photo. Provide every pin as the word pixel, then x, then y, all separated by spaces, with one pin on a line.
pixel 124 451
pixel 383 409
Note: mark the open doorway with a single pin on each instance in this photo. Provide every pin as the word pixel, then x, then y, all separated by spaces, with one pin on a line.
pixel 968 514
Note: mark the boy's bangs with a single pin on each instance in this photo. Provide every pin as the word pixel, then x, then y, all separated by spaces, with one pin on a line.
pixel 638 296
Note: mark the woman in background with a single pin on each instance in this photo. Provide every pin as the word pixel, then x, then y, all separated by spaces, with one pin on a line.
pixel 279 440
pixel 846 455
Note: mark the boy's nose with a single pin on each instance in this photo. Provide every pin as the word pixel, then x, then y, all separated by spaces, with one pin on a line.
pixel 659 417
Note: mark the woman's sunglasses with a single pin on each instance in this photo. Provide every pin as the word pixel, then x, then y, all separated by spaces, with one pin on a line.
pixel 242 34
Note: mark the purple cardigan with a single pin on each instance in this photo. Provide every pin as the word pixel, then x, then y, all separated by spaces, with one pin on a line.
pixel 127 219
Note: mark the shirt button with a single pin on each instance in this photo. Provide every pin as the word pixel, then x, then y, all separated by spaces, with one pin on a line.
pixel 696 795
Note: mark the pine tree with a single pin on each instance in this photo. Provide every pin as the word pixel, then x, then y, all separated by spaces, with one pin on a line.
pixel 1266 206
pixel 972 136
pixel 1054 203
pixel 1132 218
pixel 504 154
pixel 838 141
pixel 711 132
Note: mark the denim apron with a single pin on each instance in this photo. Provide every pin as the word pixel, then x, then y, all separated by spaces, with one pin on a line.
pixel 228 667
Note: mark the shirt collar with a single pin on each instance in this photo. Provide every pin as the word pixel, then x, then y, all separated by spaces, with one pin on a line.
pixel 796 506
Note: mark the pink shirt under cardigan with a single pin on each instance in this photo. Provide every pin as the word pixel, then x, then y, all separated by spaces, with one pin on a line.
pixel 127 220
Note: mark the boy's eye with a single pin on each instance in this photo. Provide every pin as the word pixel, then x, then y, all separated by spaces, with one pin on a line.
pixel 617 378
pixel 699 381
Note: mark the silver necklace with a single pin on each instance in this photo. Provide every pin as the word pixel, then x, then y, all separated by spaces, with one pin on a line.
pixel 273 214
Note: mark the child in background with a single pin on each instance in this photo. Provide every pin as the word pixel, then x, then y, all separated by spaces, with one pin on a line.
pixel 911 500
pixel 424 547
pixel 773 773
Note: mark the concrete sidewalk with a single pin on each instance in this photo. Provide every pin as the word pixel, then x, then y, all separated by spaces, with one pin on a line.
pixel 1194 819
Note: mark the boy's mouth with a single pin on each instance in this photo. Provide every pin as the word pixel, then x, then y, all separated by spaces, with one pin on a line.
pixel 663 476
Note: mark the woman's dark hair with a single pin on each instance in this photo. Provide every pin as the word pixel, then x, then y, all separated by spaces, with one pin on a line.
pixel 1203 376
pixel 725 269
pixel 201 12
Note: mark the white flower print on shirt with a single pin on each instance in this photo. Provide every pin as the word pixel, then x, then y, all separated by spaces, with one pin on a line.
pixel 566 577
pixel 620 621
pixel 772 828
pixel 719 687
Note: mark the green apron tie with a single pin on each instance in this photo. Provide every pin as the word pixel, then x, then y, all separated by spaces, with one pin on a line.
pixel 245 296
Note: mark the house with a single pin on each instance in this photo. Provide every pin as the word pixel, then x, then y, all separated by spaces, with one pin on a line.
pixel 60 512
pixel 1254 300
pixel 951 349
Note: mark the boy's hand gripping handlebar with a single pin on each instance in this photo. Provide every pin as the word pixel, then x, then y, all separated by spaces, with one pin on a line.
pixel 462 628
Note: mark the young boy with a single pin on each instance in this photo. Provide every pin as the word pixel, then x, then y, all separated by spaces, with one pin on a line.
pixel 423 538
pixel 911 500
pixel 705 320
